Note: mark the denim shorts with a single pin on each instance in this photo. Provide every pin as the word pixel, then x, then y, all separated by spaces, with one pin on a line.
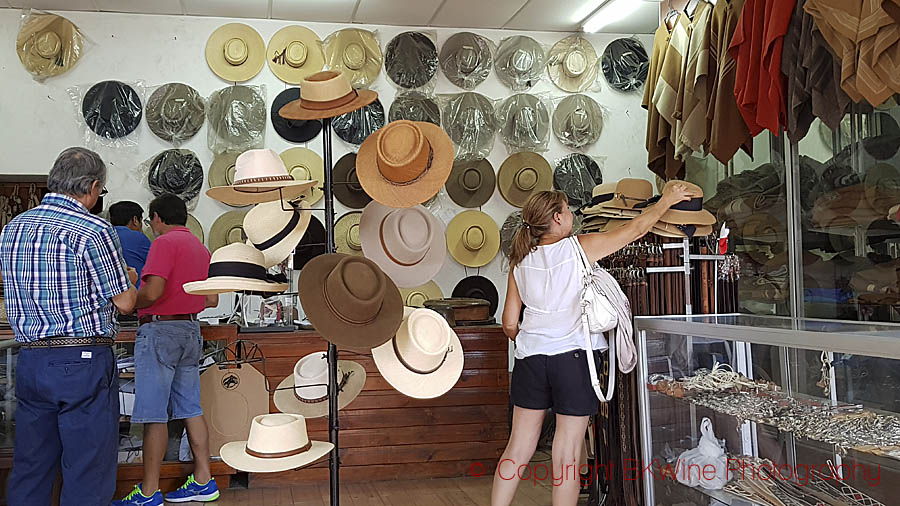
pixel 167 371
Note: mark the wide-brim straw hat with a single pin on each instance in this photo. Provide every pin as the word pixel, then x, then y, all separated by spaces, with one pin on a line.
pixel 572 64
pixel 473 238
pixel 577 121
pixel 408 244
pixel 576 175
pixel 326 94
pixel 347 188
pixel 346 234
pixel 260 176
pixel 471 183
pixel 478 287
pixel 304 164
pixel 405 163
pixel 175 112
pixel 232 268
pixel 664 229
pixel 195 227
pixel 689 212
pixel 48 45
pixel 277 442
pixel 625 64
pixel 524 122
pixel 221 170
pixel 294 53
pixel 520 62
pixel 235 52
pixel 288 129
pixel 350 301
pixel 425 358
pixel 522 175
pixel 355 53
pixel 416 296
pixel 410 59
pixel 311 245
pixel 112 109
pixel 227 229
pixel 622 195
pixel 310 373
pixel 275 228
pixel 466 59
pixel 415 106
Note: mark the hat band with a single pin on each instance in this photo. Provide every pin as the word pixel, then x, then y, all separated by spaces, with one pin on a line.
pixel 413 180
pixel 413 369
pixel 344 379
pixel 695 204
pixel 279 455
pixel 387 250
pixel 280 236
pixel 263 179
pixel 237 269
pixel 330 104
pixel 340 315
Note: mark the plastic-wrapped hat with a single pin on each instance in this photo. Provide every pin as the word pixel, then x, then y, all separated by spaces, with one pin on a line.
pixel 522 175
pixel 471 183
pixel 235 52
pixel 469 120
pixel 508 231
pixel 355 53
pixel 520 62
pixel 48 45
pixel 466 59
pixel 292 130
pixel 347 188
pixel 415 106
pixel 356 126
pixel 410 59
pixel 577 174
pixel 177 171
pixel 112 109
pixel 572 64
pixel 524 122
pixel 625 64
pixel 237 119
pixel 577 121
pixel 294 53
pixel 175 112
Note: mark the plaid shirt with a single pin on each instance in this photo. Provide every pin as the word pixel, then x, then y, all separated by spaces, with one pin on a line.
pixel 61 267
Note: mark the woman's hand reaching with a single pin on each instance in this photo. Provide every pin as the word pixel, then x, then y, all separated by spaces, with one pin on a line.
pixel 674 194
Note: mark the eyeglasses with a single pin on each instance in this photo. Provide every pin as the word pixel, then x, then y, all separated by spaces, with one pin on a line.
pixel 104 191
pixel 147 221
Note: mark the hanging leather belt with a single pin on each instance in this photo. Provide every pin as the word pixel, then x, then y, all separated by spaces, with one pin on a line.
pixel 64 342
pixel 148 318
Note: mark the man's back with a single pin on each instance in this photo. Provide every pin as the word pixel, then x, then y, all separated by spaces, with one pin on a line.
pixel 178 257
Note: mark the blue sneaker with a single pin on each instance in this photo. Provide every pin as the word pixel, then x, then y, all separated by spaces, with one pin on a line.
pixel 137 498
pixel 193 491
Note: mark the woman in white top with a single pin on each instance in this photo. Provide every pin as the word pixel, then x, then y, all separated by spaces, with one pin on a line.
pixel 550 370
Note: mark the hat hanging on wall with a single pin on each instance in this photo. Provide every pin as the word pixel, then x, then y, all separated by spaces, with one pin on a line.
pixel 193 224
pixel 112 109
pixel 469 120
pixel 235 52
pixel 294 53
pixel 231 398
pixel 478 287
pixel 508 231
pixel 305 392
pixel 405 163
pixel 259 176
pixel 577 174
pixel 347 188
pixel 350 301
pixel 355 53
pixel 275 228
pixel 175 112
pixel 311 245
pixel 625 64
pixel 577 121
pixel 689 212
pixel 572 64
pixel 473 238
pixel 305 165
pixel 415 106
pixel 466 59
pixel 471 183
pixel 277 442
pixel 356 126
pixel 410 59
pixel 524 123
pixel 346 234
pixel 416 297
pixel 522 175
pixel 177 171
pixel 325 95
pixel 520 62
pixel 408 244
pixel 221 170
pixel 227 229
pixel 237 118
pixel 48 45
pixel 233 268
pixel 289 129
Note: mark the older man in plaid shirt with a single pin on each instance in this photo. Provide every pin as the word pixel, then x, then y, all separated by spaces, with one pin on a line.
pixel 64 278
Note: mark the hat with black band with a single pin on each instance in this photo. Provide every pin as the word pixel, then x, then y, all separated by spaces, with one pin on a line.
pixel 275 228
pixel 235 267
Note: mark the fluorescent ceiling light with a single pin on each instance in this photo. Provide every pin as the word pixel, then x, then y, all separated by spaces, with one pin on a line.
pixel 612 12
pixel 586 9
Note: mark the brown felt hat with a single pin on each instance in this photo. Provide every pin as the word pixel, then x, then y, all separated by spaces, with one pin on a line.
pixel 471 183
pixel 347 188
pixel 325 95
pixel 522 175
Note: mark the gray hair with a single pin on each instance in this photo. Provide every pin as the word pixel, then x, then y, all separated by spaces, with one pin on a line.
pixel 75 171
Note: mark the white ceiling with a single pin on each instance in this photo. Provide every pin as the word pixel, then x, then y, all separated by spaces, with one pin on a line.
pixel 521 15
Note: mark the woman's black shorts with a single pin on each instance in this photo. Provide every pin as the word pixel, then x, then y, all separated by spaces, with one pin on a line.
pixel 561 382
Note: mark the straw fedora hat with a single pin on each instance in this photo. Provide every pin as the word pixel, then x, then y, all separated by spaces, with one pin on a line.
pixel 350 301
pixel 416 297
pixel 478 287
pixel 466 59
pixel 235 52
pixel 237 118
pixel 325 95
pixel 48 45
pixel 622 195
pixel 572 64
pixel 354 53
pixel 346 234
pixel 347 188
pixel 522 175
pixel 405 163
pixel 112 109
pixel 415 106
pixel 524 122
pixel 305 392
pixel 227 229
pixel 470 121
pixel 356 126
pixel 274 230
pixel 473 238
pixel 424 359
pixel 471 183
pixel 175 112
pixel 577 121
pixel 577 175
pixel 410 59
pixel 288 129
pixel 277 442
pixel 259 176
pixel 520 62
pixel 294 53
pixel 304 164
pixel 689 212
pixel 408 244
pixel 311 245
pixel 232 268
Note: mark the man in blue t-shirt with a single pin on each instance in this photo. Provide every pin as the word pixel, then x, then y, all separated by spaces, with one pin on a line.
pixel 126 217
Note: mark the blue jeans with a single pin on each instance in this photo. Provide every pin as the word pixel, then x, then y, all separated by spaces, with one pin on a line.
pixel 167 371
pixel 67 411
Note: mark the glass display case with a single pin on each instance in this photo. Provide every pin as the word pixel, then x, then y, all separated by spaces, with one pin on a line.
pixel 806 411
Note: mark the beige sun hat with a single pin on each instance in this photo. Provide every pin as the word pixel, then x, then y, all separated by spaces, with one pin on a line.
pixel 275 228
pixel 620 197
pixel 689 212
pixel 416 297
pixel 355 53
pixel 573 65
pixel 235 52
pixel 664 229
pixel 522 175
pixel 234 268
pixel 294 53
pixel 221 170
pixel 346 234
pixel 259 176
pixel 304 164
pixel 305 392
pixel 48 45
pixel 424 359
pixel 325 95
pixel 277 442
pixel 227 229
pixel 473 238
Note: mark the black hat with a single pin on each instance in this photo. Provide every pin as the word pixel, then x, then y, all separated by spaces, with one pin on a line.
pixel 289 129
pixel 625 64
pixel 577 174
pixel 177 171
pixel 347 189
pixel 410 59
pixel 355 126
pixel 312 244
pixel 478 287
pixel 112 109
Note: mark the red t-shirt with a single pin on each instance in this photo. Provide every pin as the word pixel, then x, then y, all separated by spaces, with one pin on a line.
pixel 178 257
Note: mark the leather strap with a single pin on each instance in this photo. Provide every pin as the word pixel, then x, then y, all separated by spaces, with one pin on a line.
pixel 149 318
pixel 279 455
pixel 587 272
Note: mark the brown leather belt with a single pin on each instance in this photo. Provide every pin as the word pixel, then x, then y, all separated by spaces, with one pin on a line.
pixel 64 342
pixel 148 318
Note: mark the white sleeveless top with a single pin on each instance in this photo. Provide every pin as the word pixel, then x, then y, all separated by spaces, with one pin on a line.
pixel 549 281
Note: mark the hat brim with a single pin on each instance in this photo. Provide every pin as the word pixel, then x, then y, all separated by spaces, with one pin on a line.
pixel 341 228
pixel 313 163
pixel 505 177
pixel 315 54
pixel 302 131
pixel 678 217
pixel 193 224
pixel 423 187
pixel 464 197
pixel 215 54
pixel 230 411
pixel 428 291
pixel 235 455
pixel 218 170
pixel 344 192
pixel 557 57
pixel 225 284
pixel 458 250
pixel 295 110
pixel 218 233
pixel 702 230
pixel 333 329
pixel 257 193
pixel 287 402
pixel 478 287
pixel 283 249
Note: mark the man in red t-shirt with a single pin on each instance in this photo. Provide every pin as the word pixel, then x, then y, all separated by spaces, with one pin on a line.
pixel 167 353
